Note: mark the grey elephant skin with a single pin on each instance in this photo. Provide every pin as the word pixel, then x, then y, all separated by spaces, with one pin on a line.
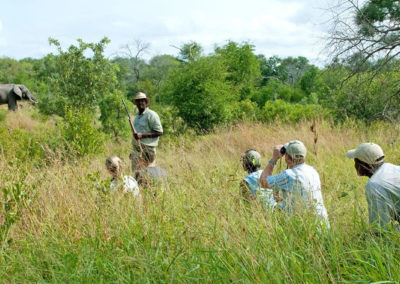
pixel 11 93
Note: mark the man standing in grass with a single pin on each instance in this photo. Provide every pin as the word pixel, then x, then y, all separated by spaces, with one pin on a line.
pixel 383 187
pixel 299 183
pixel 148 130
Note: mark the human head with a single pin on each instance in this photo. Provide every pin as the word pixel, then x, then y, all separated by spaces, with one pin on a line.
pixel 114 165
pixel 141 101
pixel 251 160
pixel 367 158
pixel 295 152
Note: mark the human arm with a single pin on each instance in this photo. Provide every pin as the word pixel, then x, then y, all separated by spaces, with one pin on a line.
pixel 152 134
pixel 276 155
pixel 154 124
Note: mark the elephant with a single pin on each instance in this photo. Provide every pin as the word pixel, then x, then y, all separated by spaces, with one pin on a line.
pixel 10 93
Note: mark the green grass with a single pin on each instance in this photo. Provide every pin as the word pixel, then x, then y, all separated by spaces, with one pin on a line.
pixel 197 229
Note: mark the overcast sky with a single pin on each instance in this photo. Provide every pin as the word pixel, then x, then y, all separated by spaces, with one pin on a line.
pixel 283 28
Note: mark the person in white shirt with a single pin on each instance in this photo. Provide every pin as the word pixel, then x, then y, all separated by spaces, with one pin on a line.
pixel 299 183
pixel 118 180
pixel 383 188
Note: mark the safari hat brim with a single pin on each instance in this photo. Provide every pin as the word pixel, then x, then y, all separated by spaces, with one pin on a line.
pixel 148 100
pixel 141 96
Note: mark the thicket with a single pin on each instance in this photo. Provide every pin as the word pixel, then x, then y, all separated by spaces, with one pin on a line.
pixel 202 91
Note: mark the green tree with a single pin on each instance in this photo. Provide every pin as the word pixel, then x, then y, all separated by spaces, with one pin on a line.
pixel 191 51
pixel 270 68
pixel 242 66
pixel 81 81
pixel 80 134
pixel 113 115
pixel 201 93
pixel 156 73
pixel 366 36
pixel 292 69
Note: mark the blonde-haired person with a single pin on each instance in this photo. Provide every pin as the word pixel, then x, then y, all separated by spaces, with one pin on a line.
pixel 127 183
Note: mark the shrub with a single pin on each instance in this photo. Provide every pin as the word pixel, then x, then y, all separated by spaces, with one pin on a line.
pixel 288 112
pixel 113 115
pixel 171 122
pixel 80 133
pixel 201 93
pixel 245 110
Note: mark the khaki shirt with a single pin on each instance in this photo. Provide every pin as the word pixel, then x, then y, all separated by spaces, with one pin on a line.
pixel 146 122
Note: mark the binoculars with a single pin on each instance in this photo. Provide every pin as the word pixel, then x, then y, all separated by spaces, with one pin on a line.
pixel 283 150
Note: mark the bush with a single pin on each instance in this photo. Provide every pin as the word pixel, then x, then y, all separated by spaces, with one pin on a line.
pixel 245 110
pixel 80 133
pixel 171 122
pixel 113 115
pixel 29 146
pixel 288 112
pixel 201 93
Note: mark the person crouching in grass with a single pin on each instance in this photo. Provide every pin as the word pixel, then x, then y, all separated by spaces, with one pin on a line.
pixel 383 188
pixel 120 181
pixel 249 187
pixel 300 183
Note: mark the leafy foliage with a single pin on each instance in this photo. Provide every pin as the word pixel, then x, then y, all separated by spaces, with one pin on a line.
pixel 113 115
pixel 287 112
pixel 189 52
pixel 80 81
pixel 81 134
pixel 242 66
pixel 201 94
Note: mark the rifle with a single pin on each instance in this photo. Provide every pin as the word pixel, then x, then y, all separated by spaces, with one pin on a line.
pixel 133 128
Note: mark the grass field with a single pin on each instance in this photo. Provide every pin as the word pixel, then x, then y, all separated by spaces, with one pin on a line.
pixel 197 229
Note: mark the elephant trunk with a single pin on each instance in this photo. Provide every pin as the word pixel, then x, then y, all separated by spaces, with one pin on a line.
pixel 31 98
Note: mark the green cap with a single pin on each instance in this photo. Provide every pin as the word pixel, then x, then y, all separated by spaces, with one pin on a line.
pixel 252 157
pixel 296 149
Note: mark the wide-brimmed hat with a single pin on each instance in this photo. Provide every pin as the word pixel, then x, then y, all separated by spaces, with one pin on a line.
pixel 140 96
pixel 296 149
pixel 369 153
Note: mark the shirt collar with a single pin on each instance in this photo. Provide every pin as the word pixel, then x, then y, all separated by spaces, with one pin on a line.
pixel 146 110
pixel 299 165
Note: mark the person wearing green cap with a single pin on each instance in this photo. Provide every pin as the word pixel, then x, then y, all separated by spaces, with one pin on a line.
pixel 383 188
pixel 249 187
pixel 300 183
pixel 148 131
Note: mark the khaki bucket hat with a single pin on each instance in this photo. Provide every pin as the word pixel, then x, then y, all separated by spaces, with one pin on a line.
pixel 369 153
pixel 140 96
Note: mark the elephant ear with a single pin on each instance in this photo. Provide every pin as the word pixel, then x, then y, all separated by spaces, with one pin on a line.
pixel 17 91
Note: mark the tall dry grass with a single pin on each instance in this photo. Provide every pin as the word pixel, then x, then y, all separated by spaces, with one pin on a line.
pixel 196 228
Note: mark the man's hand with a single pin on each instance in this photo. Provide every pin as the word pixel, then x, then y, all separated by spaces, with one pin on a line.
pixel 138 135
pixel 276 152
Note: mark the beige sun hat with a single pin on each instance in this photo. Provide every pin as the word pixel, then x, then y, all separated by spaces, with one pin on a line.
pixel 296 149
pixel 140 96
pixel 369 153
